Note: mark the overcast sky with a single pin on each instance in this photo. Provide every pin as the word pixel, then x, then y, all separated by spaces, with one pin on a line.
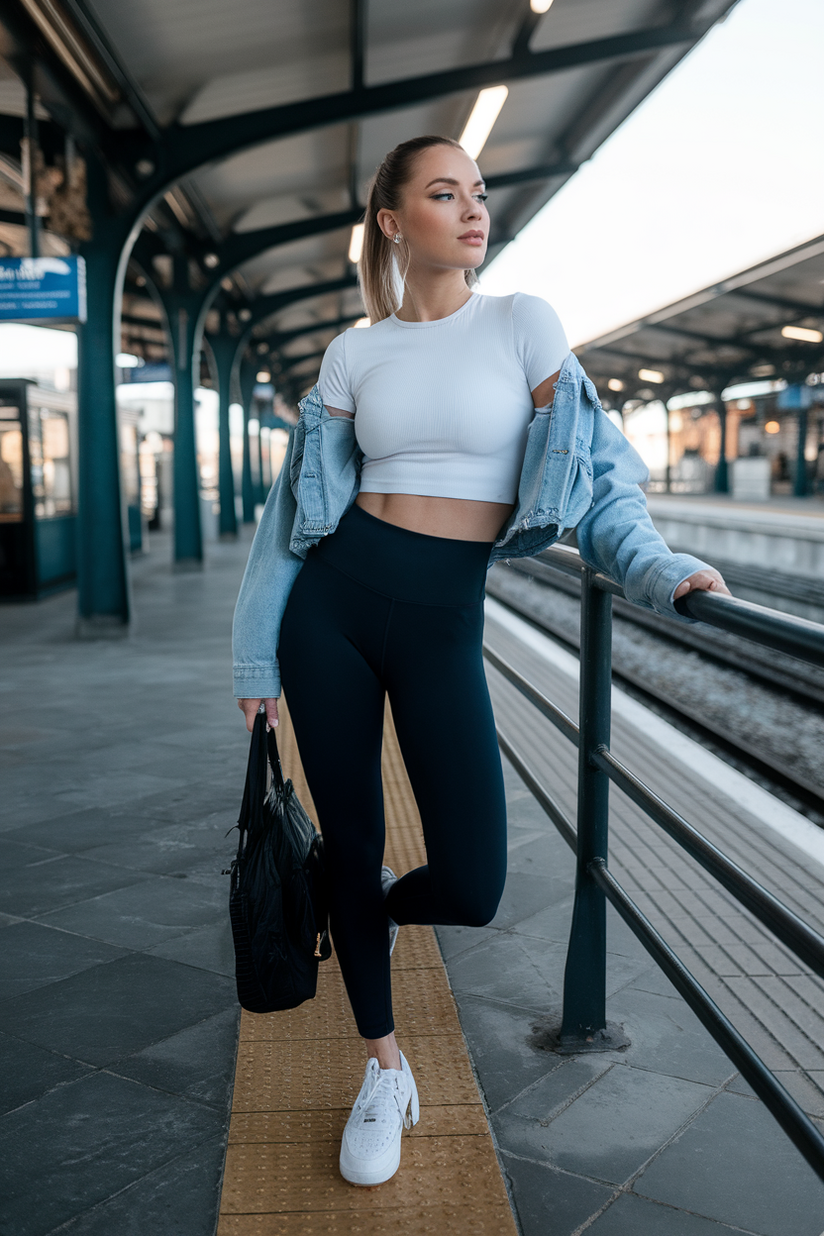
pixel 721 166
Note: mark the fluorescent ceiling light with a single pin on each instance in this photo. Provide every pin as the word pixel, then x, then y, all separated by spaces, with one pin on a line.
pixel 356 244
pixel 74 50
pixel 125 360
pixel 263 377
pixel 615 384
pixel 650 375
pixel 540 6
pixel 362 322
pixel 484 114
pixel 803 333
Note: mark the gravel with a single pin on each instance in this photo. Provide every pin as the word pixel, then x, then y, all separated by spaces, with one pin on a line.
pixel 765 722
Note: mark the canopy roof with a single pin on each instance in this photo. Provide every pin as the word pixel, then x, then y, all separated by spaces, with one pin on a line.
pixel 279 112
pixel 729 332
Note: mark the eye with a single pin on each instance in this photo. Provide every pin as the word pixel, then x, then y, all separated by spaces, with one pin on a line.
pixel 447 194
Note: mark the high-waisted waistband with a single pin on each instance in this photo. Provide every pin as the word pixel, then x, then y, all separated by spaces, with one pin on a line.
pixel 406 565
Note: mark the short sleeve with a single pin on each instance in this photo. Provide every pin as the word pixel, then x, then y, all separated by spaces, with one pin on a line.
pixel 335 389
pixel 540 342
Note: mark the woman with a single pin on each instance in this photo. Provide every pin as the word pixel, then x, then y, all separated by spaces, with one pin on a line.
pixel 425 453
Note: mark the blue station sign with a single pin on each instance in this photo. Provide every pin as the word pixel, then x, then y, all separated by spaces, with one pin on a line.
pixel 46 287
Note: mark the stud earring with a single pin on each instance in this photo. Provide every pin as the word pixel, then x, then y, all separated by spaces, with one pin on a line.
pixel 397 238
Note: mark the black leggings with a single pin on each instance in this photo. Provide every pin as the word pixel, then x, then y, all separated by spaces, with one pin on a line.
pixel 380 610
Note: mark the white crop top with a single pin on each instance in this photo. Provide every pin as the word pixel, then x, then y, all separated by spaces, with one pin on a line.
pixel 442 408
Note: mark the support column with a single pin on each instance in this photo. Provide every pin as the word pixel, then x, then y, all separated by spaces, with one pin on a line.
pixel 800 487
pixel 182 307
pixel 722 480
pixel 224 348
pixel 247 386
pixel 102 574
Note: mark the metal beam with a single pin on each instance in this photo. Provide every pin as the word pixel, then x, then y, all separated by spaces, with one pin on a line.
pixel 240 247
pixel 712 340
pixel 566 167
pixel 780 302
pixel 265 306
pixel 187 147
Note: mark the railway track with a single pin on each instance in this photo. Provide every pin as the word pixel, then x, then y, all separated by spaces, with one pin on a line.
pixel 535 591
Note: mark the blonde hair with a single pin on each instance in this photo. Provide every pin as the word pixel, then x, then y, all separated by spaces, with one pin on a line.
pixel 381 279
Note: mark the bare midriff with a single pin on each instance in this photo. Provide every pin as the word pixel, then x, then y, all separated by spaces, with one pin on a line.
pixel 459 519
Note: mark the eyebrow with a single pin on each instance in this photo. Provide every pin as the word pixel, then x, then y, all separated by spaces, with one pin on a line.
pixel 447 180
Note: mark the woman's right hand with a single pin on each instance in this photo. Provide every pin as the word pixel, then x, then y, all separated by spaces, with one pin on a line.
pixel 250 709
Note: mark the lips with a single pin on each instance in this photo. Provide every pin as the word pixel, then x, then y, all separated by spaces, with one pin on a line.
pixel 472 236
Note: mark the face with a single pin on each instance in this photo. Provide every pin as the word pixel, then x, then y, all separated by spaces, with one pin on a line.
pixel 442 216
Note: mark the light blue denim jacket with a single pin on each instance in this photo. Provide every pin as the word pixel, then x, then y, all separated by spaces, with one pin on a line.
pixel 579 472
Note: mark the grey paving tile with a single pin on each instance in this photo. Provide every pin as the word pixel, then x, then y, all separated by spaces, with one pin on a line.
pixel 60 882
pixel 534 1108
pixel 73 831
pixel 635 1216
pixel 152 851
pixel 27 1071
pixel 503 1048
pixel 625 1116
pixel 97 790
pixel 735 1165
pixel 34 955
pixel 207 948
pixel 551 922
pixel 455 940
pixel 148 912
pixel 525 894
pixel 83 1142
pixel 667 1037
pixel 513 969
pixel 111 1010
pixel 197 1063
pixel 549 1202
pixel 181 1198
pixel 16 853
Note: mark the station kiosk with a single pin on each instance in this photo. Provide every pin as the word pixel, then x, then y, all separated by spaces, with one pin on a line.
pixel 38 488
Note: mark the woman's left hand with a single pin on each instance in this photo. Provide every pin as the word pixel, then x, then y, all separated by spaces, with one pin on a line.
pixel 702 581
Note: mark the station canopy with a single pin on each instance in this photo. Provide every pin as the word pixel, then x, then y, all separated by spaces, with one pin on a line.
pixel 766 322
pixel 306 96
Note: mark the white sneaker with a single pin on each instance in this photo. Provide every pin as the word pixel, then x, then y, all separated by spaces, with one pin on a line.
pixel 370 1152
pixel 388 878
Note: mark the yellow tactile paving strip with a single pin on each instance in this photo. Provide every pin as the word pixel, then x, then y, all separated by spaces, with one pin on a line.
pixel 298 1073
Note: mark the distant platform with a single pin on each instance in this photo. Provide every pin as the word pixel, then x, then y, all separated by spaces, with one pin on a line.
pixel 784 534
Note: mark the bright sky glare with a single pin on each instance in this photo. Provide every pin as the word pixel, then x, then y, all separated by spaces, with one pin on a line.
pixel 719 168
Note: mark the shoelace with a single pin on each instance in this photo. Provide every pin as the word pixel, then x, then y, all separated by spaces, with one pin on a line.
pixel 365 1103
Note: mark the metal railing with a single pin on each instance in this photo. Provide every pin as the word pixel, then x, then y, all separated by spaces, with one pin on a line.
pixel 584 1011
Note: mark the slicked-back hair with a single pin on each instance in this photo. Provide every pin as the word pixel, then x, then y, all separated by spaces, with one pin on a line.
pixel 383 264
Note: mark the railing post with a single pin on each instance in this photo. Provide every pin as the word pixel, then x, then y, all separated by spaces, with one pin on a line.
pixel 584 1026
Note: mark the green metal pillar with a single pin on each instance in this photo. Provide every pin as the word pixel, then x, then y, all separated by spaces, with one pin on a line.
pixel 722 477
pixel 102 573
pixel 224 347
pixel 584 1025
pixel 246 377
pixel 800 486
pixel 182 308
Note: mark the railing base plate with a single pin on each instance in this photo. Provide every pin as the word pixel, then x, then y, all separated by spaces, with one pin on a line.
pixel 550 1038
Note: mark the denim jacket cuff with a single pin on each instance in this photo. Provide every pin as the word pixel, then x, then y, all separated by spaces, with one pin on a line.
pixel 673 570
pixel 257 682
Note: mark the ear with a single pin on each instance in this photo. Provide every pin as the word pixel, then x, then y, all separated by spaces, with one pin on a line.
pixel 388 222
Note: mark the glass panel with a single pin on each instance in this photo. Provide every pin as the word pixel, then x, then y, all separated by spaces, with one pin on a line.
pixel 55 496
pixel 11 470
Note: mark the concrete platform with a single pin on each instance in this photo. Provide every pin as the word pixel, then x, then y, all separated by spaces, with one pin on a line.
pixel 118 1021
pixel 782 535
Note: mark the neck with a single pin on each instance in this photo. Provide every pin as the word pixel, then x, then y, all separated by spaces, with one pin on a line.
pixel 431 295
